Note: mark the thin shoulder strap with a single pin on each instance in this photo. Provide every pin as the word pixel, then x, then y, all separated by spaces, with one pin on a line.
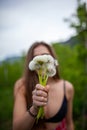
pixel 64 88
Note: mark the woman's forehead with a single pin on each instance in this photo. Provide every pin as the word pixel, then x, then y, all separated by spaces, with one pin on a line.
pixel 40 50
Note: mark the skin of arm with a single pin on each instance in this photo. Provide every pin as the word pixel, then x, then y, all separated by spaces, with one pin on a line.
pixel 70 95
pixel 22 120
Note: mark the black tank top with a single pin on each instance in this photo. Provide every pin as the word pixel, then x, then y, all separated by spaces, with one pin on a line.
pixel 60 115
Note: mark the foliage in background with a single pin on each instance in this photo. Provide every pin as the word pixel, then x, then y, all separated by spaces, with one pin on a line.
pixel 80 26
pixel 9 73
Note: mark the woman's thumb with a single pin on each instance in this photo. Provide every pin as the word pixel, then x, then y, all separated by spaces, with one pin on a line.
pixel 47 88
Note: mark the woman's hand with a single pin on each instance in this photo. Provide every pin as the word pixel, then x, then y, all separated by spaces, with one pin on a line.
pixel 40 95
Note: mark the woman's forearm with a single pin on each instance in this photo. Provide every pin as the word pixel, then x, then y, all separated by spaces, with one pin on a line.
pixel 26 122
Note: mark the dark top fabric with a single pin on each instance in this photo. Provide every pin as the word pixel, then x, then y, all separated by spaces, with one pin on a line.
pixel 60 115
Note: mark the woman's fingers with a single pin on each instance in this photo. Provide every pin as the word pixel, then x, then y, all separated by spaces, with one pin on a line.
pixel 39 98
pixel 40 95
pixel 39 87
pixel 40 92
pixel 38 104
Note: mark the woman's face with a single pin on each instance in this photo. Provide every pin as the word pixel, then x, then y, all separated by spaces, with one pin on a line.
pixel 40 50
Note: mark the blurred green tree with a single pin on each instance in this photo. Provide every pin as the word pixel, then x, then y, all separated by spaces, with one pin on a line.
pixel 80 25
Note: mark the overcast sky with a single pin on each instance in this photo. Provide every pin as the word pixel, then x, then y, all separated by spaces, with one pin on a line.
pixel 23 22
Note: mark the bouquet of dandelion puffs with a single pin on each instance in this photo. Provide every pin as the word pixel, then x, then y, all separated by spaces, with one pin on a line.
pixel 45 66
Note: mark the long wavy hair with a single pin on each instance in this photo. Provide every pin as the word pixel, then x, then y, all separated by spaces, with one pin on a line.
pixel 30 77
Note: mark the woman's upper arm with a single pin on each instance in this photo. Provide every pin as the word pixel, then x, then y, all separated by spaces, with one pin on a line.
pixel 70 96
pixel 19 100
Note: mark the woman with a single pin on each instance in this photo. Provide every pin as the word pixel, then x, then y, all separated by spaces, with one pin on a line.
pixel 56 98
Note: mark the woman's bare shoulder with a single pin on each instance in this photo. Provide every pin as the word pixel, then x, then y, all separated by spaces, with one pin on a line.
pixel 19 87
pixel 69 89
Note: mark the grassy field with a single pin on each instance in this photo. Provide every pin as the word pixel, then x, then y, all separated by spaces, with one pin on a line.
pixel 6 107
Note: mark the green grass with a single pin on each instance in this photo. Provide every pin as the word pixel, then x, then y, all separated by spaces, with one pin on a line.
pixel 6 108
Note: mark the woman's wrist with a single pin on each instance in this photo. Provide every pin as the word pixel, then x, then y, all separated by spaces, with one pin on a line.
pixel 33 111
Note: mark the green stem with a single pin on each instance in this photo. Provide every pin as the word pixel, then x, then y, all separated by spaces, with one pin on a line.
pixel 40 113
pixel 42 81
